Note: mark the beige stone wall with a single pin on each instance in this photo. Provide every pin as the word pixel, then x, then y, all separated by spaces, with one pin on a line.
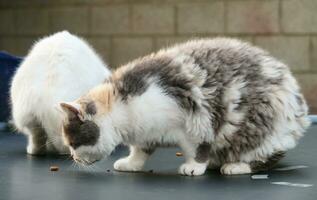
pixel 122 30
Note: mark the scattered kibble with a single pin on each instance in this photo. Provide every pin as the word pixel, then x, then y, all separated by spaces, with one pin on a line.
pixel 179 154
pixel 54 168
pixel 108 170
pixel 151 171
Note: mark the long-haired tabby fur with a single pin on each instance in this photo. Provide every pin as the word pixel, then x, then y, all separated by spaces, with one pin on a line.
pixel 226 103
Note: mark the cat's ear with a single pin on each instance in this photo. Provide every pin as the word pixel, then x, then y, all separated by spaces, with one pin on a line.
pixel 72 110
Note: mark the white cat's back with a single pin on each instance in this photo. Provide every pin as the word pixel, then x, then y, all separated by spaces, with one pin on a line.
pixel 58 68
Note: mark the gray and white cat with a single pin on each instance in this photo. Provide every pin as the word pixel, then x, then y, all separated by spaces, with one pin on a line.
pixel 225 103
pixel 60 67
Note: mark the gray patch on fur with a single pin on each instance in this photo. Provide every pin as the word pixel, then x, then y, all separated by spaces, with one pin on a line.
pixel 202 152
pixel 91 108
pixel 81 133
pixel 254 102
pixel 222 68
pixel 149 150
pixel 299 99
pixel 166 74
pixel 257 166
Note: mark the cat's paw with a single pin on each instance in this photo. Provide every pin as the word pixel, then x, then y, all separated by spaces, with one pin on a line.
pixel 235 168
pixel 192 169
pixel 126 164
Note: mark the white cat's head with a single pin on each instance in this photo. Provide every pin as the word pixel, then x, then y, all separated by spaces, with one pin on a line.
pixel 86 130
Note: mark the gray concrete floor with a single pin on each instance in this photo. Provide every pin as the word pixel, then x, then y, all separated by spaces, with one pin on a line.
pixel 26 177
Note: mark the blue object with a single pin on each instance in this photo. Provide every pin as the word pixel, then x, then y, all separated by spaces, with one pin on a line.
pixel 313 119
pixel 8 65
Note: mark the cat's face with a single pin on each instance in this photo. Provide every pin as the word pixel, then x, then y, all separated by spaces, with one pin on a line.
pixel 86 130
pixel 81 132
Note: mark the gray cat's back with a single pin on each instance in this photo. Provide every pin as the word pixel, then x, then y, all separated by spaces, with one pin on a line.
pixel 255 106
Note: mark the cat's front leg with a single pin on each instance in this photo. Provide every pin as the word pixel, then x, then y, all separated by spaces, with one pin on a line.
pixel 197 159
pixel 36 140
pixel 135 161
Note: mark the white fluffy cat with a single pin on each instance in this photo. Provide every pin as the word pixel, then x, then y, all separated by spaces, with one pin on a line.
pixel 60 67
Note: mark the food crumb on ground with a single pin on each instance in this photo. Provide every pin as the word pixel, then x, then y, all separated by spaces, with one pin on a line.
pixel 151 171
pixel 108 170
pixel 54 168
pixel 179 154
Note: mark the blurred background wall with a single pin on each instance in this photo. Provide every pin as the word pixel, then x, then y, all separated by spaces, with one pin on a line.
pixel 121 30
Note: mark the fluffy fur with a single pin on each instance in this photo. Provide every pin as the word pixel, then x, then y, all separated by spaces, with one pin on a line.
pixel 226 103
pixel 58 68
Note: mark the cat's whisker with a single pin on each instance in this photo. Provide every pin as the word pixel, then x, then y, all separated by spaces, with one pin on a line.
pixel 87 166
pixel 95 167
pixel 48 142
pixel 78 166
pixel 70 167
